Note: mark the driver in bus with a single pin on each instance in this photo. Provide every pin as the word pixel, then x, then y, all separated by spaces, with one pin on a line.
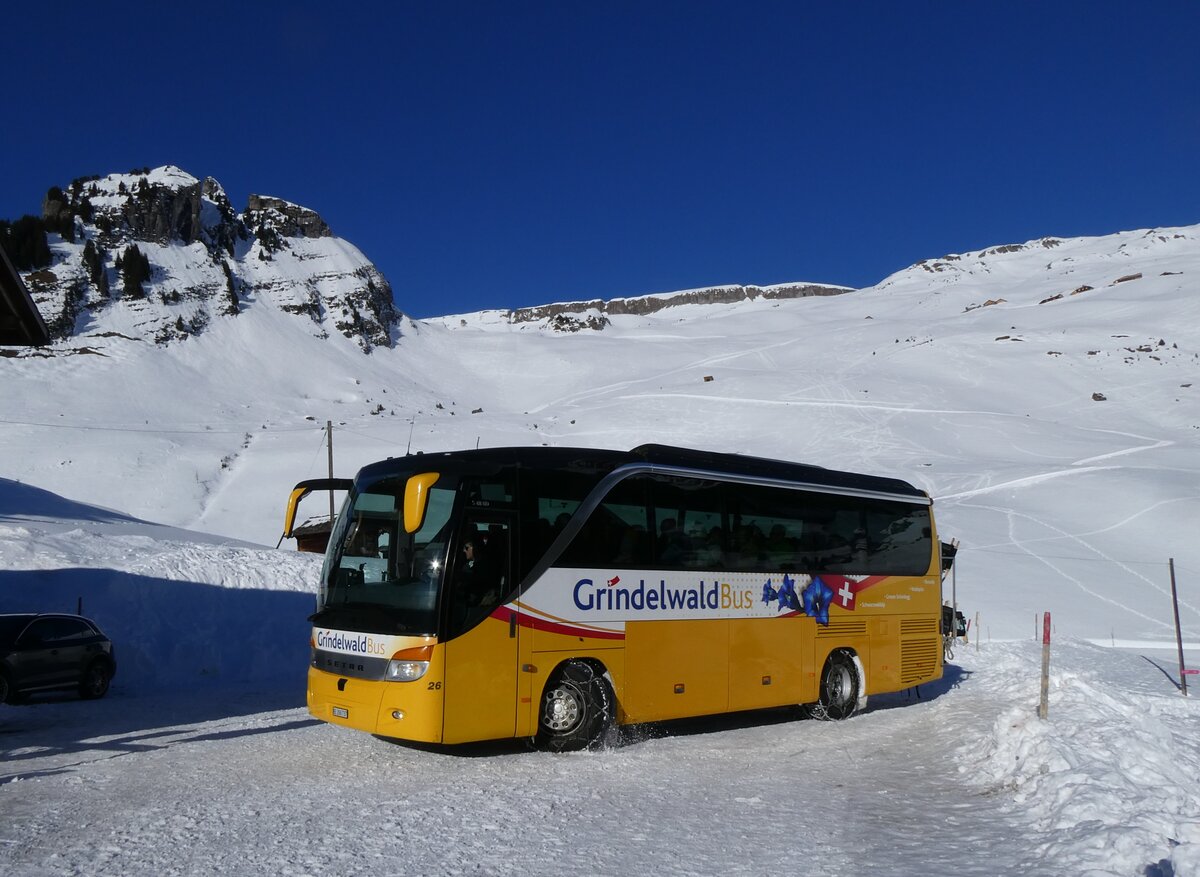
pixel 477 580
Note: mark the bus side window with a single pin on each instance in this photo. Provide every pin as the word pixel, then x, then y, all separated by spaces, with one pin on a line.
pixel 898 537
pixel 615 533
pixel 687 511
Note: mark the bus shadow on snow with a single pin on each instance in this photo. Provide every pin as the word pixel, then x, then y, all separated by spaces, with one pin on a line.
pixel 632 735
pixel 188 653
pixel 952 677
pixel 636 735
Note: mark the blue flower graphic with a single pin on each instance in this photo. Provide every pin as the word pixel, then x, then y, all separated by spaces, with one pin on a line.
pixel 816 601
pixel 786 594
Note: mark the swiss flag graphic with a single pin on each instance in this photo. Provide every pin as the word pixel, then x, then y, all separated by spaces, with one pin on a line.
pixel 845 588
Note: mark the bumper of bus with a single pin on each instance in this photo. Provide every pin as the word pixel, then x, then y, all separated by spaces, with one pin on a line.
pixel 404 710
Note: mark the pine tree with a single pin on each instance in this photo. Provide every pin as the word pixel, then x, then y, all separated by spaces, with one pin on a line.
pixel 231 291
pixel 93 260
pixel 135 271
pixel 25 243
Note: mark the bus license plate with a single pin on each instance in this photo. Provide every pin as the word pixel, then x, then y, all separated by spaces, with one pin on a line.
pixel 341 712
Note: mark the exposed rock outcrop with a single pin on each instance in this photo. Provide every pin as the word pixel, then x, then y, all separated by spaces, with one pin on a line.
pixel 198 259
pixel 594 314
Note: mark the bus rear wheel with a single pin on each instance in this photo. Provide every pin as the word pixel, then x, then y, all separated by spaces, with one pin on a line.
pixel 576 710
pixel 841 688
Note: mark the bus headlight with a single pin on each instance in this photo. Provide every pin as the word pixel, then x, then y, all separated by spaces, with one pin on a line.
pixel 409 665
pixel 406 671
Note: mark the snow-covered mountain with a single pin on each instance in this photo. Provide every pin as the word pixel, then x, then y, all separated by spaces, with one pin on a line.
pixel 159 255
pixel 1045 394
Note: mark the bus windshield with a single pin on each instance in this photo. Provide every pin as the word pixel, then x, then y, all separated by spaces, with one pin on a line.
pixel 377 577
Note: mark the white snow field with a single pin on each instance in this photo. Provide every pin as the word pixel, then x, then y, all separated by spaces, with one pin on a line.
pixel 203 760
pixel 1056 426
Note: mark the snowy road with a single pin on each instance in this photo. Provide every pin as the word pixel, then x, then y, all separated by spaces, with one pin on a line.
pixel 248 784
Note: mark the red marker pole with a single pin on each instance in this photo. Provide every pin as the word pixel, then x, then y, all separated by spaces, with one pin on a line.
pixel 1044 706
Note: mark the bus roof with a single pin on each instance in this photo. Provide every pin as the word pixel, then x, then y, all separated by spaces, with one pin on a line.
pixel 666 457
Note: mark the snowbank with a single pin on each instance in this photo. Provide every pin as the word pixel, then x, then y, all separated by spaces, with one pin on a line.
pixel 183 609
pixel 1112 773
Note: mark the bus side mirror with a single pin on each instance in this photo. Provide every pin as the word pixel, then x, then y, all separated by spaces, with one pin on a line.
pixel 289 520
pixel 416 499
pixel 303 489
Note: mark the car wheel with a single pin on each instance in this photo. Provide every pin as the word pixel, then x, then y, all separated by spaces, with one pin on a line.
pixel 95 681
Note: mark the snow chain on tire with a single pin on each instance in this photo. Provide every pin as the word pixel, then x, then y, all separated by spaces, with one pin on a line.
pixel 577 709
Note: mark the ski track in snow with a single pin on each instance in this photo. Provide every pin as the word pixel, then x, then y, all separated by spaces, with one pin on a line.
pixel 1150 447
pixel 1020 482
pixel 1100 554
pixel 1090 592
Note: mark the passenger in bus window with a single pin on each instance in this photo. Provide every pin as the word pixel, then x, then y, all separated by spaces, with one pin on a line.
pixel 820 547
pixel 750 548
pixel 632 550
pixel 780 549
pixel 709 554
pixel 860 550
pixel 672 543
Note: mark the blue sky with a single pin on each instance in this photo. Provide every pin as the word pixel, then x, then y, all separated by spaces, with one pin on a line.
pixel 495 155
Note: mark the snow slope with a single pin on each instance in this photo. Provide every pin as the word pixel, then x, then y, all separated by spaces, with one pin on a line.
pixel 1046 396
pixel 145 482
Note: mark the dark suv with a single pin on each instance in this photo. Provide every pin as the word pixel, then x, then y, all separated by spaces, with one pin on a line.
pixel 45 652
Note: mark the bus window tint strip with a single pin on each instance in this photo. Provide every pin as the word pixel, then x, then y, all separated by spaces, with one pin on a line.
pixel 702 524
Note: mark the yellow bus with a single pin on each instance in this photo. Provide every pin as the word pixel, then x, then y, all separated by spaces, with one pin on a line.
pixel 553 593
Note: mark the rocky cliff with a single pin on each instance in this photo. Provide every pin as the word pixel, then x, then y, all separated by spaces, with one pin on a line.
pixel 573 316
pixel 158 255
pixel 163 254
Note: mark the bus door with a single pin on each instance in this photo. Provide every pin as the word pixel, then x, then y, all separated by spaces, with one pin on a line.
pixel 482 652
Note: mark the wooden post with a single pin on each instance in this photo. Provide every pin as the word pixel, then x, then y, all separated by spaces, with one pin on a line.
pixel 1044 706
pixel 1183 674
pixel 329 434
pixel 978 630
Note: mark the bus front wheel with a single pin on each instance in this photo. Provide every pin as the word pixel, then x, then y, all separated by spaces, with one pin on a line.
pixel 576 710
pixel 841 688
